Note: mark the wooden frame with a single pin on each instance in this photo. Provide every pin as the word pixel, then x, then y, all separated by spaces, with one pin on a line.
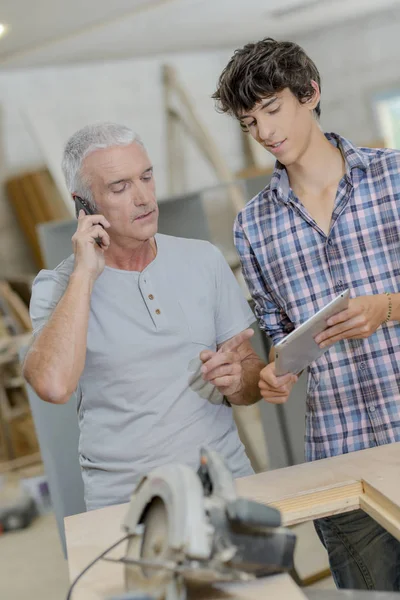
pixel 368 479
pixel 182 118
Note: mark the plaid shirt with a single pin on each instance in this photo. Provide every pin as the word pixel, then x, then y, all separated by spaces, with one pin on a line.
pixel 293 269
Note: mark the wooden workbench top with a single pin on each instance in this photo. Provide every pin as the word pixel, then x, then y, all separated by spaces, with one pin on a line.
pixel 369 479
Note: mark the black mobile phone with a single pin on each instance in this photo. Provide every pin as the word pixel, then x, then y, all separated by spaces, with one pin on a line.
pixel 82 204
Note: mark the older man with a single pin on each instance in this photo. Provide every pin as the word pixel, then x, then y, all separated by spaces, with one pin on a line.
pixel 150 330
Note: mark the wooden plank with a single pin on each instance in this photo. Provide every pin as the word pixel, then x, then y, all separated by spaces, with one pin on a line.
pixel 319 503
pixel 21 285
pixel 32 200
pixel 52 202
pixel 20 463
pixel 251 433
pixel 17 306
pixel 10 347
pixel 4 425
pixel 25 218
pixel 201 135
pixel 366 465
pixel 381 508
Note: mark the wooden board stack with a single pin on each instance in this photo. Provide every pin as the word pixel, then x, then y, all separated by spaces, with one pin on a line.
pixel 35 199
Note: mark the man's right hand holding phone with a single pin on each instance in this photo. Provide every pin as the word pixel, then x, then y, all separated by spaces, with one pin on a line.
pixel 89 256
pixel 275 389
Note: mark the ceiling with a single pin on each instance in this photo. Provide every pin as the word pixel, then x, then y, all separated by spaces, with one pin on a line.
pixel 49 32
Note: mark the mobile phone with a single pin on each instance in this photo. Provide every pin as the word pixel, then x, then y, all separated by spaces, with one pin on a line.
pixel 82 204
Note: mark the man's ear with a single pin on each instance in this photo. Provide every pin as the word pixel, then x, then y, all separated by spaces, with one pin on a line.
pixel 313 102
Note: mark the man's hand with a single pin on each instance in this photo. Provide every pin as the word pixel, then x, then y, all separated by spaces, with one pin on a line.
pixel 89 256
pixel 360 320
pixel 224 367
pixel 275 389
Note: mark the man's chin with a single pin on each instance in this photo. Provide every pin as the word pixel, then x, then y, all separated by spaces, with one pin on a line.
pixel 146 232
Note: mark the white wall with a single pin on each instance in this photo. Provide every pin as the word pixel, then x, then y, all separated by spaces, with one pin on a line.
pixel 355 61
pixel 128 92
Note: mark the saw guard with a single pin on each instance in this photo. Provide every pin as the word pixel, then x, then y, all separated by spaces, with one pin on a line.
pixel 181 491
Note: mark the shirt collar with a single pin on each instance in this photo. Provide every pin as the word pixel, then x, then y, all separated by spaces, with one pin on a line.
pixel 353 156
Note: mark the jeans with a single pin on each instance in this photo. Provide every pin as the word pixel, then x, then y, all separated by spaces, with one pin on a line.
pixel 362 555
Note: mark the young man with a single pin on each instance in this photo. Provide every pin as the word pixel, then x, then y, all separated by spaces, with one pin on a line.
pixel 328 220
pixel 151 330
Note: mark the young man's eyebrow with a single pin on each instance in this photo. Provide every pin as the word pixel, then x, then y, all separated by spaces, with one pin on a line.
pixel 263 105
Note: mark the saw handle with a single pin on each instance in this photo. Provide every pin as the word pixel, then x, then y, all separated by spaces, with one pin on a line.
pixel 246 512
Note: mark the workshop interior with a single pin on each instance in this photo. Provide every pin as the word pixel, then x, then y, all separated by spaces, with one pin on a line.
pixel 187 531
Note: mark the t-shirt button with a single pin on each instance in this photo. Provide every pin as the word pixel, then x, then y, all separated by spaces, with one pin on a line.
pixel 151 297
pixel 158 311
pixel 371 408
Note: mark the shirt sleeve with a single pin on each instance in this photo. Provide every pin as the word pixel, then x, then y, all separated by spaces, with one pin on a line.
pixel 47 290
pixel 271 318
pixel 233 313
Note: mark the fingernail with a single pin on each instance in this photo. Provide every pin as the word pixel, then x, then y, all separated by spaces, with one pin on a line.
pixel 203 370
pixel 322 345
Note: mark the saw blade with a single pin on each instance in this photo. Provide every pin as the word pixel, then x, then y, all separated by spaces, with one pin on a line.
pixel 153 545
pixel 155 537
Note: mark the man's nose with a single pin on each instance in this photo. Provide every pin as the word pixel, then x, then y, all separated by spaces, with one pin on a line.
pixel 265 130
pixel 139 195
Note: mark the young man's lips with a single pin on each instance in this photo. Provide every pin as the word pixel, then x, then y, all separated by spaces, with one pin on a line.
pixel 277 146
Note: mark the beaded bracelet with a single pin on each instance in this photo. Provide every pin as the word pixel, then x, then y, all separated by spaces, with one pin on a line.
pixel 389 314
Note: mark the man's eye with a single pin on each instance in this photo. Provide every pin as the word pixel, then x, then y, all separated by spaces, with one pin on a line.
pixel 246 126
pixel 273 112
pixel 148 177
pixel 120 190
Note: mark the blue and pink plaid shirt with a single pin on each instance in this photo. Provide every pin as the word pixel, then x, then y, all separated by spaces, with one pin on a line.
pixel 292 269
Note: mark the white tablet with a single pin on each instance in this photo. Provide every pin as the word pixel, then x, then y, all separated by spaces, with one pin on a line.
pixel 299 349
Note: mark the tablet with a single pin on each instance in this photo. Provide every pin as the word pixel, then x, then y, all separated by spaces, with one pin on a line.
pixel 298 349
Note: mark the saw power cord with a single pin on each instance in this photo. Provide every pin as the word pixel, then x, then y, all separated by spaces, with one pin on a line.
pixel 90 565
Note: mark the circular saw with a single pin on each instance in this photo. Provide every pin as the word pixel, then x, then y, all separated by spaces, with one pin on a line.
pixel 189 528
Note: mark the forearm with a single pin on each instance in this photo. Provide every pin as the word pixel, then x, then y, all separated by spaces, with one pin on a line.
pixel 249 392
pixel 56 359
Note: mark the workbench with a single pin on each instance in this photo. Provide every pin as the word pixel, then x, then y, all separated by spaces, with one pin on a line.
pixel 369 479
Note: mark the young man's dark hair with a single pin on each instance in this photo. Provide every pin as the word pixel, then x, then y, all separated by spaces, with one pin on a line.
pixel 261 69
pixel 329 219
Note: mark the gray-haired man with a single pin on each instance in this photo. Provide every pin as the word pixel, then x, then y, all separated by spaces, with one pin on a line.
pixel 151 330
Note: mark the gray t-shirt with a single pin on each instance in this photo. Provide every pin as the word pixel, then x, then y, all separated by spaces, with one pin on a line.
pixel 141 399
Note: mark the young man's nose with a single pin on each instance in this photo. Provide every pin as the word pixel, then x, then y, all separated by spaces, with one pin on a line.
pixel 265 131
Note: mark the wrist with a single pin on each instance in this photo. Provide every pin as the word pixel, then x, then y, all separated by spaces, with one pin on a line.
pixel 83 278
pixel 388 304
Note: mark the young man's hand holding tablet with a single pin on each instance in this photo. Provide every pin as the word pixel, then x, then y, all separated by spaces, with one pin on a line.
pixel 299 349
